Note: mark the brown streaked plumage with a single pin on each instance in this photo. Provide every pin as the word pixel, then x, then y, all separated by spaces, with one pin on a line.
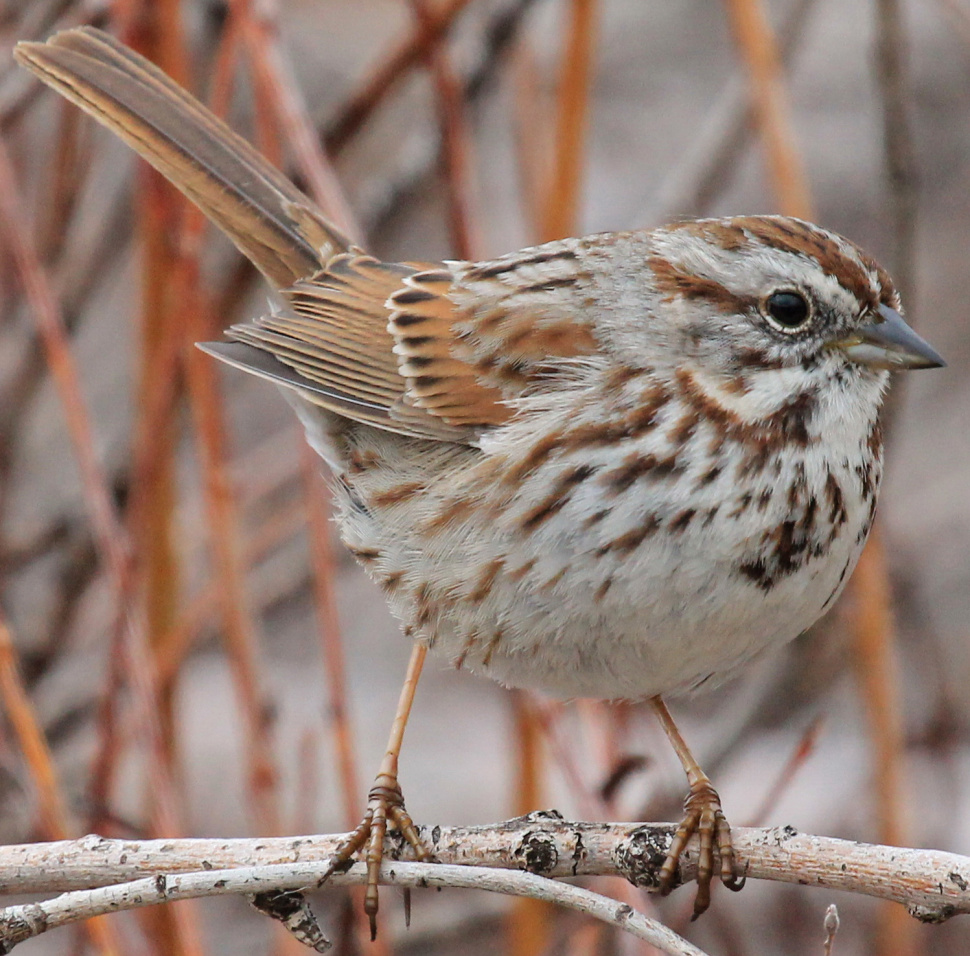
pixel 614 466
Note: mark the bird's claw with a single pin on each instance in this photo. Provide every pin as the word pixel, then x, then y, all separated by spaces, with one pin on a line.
pixel 702 815
pixel 385 802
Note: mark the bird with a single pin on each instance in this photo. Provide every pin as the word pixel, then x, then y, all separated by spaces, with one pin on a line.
pixel 617 466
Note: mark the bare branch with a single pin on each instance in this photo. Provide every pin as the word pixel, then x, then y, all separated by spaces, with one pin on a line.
pixel 18 923
pixel 932 884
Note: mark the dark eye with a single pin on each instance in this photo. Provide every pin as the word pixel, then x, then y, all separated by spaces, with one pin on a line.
pixel 789 310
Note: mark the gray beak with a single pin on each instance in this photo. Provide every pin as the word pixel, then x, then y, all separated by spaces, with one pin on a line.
pixel 891 344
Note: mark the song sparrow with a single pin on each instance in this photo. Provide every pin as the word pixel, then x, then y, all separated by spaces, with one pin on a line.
pixel 617 466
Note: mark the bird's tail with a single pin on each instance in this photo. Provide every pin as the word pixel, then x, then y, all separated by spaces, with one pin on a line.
pixel 272 222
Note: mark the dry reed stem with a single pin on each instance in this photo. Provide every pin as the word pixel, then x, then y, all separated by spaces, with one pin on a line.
pixel 392 67
pixel 455 137
pixel 241 638
pixel 576 73
pixel 316 497
pixel 293 120
pixel 803 750
pixel 167 270
pixel 158 211
pixel 874 619
pixel 221 512
pixel 528 924
pixel 758 47
pixel 109 535
pixel 55 822
pixel 54 817
pixel 899 149
pixel 874 633
pixel 331 641
pixel 159 408
pixel 550 715
pixel 694 183
pixel 533 135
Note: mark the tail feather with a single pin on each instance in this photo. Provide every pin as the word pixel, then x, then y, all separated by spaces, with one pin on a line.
pixel 272 222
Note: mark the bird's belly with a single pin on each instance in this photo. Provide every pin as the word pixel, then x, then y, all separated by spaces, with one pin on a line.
pixel 650 596
pixel 666 627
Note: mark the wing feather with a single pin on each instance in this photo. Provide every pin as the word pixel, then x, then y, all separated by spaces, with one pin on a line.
pixel 438 351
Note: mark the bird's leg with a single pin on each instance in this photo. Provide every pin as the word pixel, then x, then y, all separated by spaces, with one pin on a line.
pixel 385 802
pixel 702 815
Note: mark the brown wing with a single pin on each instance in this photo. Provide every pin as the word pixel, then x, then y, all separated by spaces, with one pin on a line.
pixel 333 333
pixel 472 337
pixel 436 352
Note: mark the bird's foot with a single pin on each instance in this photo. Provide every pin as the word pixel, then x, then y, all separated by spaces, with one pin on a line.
pixel 702 815
pixel 385 803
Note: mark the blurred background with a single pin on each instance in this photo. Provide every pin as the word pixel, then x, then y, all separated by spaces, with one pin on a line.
pixel 149 499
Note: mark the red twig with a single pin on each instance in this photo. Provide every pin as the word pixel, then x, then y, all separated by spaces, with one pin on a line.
pixel 455 138
pixel 273 73
pixel 54 816
pixel 392 67
pixel 562 206
pixel 110 537
pixel 758 46
pixel 319 529
pixel 803 750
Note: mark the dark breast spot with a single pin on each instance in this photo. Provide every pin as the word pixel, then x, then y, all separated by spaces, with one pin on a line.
pixel 558 497
pixel 485 581
pixel 681 520
pixel 632 539
pixel 637 466
pixel 787 547
pixel 836 500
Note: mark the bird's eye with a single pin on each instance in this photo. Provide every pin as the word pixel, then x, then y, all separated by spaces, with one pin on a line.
pixel 788 311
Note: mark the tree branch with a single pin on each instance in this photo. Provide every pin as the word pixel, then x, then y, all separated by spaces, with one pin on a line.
pixel 933 885
pixel 18 923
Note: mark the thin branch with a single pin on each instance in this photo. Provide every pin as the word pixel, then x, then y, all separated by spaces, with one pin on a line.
pixel 758 46
pixel 694 182
pixel 562 201
pixel 932 884
pixel 455 137
pixel 291 115
pixel 392 67
pixel 899 151
pixel 18 923
pixel 54 817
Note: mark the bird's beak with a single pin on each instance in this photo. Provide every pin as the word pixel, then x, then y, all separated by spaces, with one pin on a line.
pixel 889 343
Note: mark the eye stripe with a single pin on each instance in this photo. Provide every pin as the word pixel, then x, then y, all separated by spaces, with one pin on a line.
pixel 673 282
